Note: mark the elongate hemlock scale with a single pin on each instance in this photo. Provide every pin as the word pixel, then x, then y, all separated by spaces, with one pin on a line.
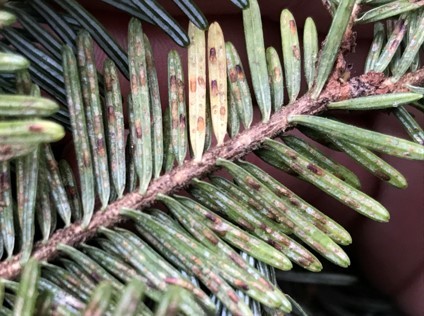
pixel 168 155
pixel 320 220
pixel 241 213
pixel 238 86
pixel 376 46
pixel 412 49
pixel 255 47
pixel 27 292
pixel 330 184
pixel 332 44
pixel 177 105
pixel 412 127
pixel 155 110
pixel 141 104
pixel 301 227
pixel 372 163
pixel 192 258
pixel 270 213
pixel 6 200
pixel 144 258
pixel 316 156
pixel 94 115
pixel 387 10
pixel 233 123
pixel 266 295
pixel 115 126
pixel 131 153
pixel 236 236
pixel 209 128
pixel 276 78
pixel 310 50
pixel 80 134
pixel 375 141
pixel 390 50
pixel 26 178
pixel 71 188
pixel 44 209
pixel 197 90
pixel 217 64
pixel 291 54
pixel 57 189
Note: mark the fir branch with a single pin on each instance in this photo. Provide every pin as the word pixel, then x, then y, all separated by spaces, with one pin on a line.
pixel 364 85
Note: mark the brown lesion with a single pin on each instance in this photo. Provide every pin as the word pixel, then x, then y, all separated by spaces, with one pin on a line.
pixel 252 183
pixel 108 80
pixel 292 155
pixel 138 129
pixel 214 88
pixel 36 128
pixel 86 158
pixel 71 190
pixel 232 295
pixel 274 244
pixel 4 182
pixel 294 202
pixel 263 226
pixel 233 75
pixel 352 203
pixel 315 169
pixel 240 72
pixel 237 260
pixel 201 82
pixel 180 90
pixel 220 229
pixel 182 121
pixel 173 83
pixel 211 217
pixel 200 124
pixel 193 85
pixel 277 73
pixel 100 148
pixel 296 52
pixel 212 55
pixel 52 165
pixel 111 115
pixel 293 28
pixel 382 175
pixel 210 236
pixel 246 225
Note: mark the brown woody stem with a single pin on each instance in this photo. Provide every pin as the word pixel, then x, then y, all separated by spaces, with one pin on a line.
pixel 245 142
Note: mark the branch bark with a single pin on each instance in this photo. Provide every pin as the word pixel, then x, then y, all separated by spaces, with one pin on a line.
pixel 245 142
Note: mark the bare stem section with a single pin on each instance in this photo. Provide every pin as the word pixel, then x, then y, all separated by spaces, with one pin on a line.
pixel 364 85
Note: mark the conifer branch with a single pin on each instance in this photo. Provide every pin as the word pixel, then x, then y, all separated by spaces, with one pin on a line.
pixel 368 84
